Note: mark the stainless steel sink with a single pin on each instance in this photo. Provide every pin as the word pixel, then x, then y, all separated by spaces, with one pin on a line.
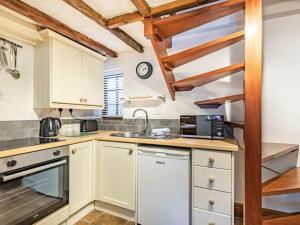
pixel 130 135
pixel 140 135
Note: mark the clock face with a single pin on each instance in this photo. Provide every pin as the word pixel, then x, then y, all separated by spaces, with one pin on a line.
pixel 144 70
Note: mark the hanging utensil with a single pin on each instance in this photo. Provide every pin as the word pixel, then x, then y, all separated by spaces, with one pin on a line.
pixel 4 48
pixel 13 60
pixel 2 63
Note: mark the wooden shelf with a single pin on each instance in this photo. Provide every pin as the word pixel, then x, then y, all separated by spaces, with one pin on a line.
pixel 272 151
pixel 284 220
pixel 235 124
pixel 173 25
pixel 205 78
pixel 286 183
pixel 217 102
pixel 178 59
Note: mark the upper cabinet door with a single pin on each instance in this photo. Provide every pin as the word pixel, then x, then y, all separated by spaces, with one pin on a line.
pixel 93 80
pixel 66 74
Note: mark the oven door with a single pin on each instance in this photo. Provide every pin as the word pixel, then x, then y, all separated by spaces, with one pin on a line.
pixel 29 194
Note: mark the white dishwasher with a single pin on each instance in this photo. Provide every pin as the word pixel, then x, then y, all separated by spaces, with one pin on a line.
pixel 163 186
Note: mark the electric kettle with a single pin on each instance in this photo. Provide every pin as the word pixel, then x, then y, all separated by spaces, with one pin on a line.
pixel 49 127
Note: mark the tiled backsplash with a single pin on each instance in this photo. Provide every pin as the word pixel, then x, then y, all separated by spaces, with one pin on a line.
pixel 30 128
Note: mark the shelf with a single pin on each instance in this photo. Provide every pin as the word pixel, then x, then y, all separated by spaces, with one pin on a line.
pixel 217 102
pixel 178 59
pixel 283 220
pixel 286 183
pixel 235 124
pixel 272 151
pixel 176 24
pixel 132 99
pixel 205 78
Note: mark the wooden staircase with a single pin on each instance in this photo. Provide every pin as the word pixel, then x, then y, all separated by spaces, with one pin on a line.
pixel 286 183
pixel 160 30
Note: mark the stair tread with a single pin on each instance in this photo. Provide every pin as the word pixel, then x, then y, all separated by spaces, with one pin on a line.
pixel 176 24
pixel 284 220
pixel 205 78
pixel 194 53
pixel 286 183
pixel 235 124
pixel 272 151
pixel 215 103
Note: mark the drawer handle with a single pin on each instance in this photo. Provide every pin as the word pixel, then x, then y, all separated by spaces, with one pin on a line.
pixel 211 202
pixel 211 180
pixel 211 223
pixel 74 151
pixel 211 160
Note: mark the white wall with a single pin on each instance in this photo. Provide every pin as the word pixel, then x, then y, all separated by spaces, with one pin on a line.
pixel 155 85
pixel 16 96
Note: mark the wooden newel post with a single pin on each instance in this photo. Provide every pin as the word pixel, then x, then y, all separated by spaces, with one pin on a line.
pixel 253 86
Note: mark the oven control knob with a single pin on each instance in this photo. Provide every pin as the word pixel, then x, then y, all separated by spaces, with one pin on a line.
pixel 219 133
pixel 11 163
pixel 56 153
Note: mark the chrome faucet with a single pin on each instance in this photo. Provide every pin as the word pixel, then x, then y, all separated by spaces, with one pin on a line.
pixel 146 123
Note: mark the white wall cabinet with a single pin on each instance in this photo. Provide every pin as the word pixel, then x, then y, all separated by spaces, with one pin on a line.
pixel 67 75
pixel 117 174
pixel 80 176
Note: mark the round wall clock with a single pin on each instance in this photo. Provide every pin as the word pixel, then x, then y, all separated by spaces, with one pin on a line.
pixel 144 70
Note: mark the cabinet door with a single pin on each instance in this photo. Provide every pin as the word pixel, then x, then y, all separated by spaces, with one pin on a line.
pixel 93 80
pixel 117 174
pixel 81 176
pixel 66 82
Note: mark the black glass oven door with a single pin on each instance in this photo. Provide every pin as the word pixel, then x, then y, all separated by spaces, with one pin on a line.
pixel 27 196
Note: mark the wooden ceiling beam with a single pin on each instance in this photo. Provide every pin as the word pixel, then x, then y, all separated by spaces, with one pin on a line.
pixel 142 7
pixel 124 19
pixel 88 11
pixel 47 21
pixel 167 8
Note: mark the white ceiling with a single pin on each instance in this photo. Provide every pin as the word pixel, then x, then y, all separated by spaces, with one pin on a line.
pixel 107 8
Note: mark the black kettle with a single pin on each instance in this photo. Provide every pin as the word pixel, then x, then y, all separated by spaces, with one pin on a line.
pixel 49 127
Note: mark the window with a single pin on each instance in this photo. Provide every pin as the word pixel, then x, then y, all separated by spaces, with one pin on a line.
pixel 113 93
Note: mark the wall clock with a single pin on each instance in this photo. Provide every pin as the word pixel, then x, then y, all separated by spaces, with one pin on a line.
pixel 144 70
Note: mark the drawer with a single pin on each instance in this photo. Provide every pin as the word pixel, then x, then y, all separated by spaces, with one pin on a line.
pixel 202 217
pixel 213 159
pixel 214 201
pixel 215 179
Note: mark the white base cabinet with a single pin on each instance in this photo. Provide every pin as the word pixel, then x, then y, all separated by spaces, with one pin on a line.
pixel 117 174
pixel 81 176
pixel 213 187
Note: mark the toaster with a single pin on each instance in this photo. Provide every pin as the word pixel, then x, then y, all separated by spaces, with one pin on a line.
pixel 88 125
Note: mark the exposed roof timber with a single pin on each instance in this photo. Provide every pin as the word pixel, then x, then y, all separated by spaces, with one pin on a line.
pixel 167 8
pixel 85 9
pixel 47 21
pixel 142 7
pixel 124 19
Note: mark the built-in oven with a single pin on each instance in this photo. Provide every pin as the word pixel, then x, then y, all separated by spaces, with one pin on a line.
pixel 33 185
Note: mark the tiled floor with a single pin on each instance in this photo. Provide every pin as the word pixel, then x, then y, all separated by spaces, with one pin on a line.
pixel 99 218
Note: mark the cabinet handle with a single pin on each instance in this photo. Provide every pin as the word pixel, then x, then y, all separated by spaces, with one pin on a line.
pixel 81 100
pixel 211 202
pixel 211 160
pixel 211 180
pixel 211 223
pixel 130 151
pixel 85 100
pixel 74 151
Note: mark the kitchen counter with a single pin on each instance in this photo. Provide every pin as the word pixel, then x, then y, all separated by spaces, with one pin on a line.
pixel 222 145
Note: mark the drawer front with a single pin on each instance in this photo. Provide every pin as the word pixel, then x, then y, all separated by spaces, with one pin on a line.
pixel 210 178
pixel 202 217
pixel 212 159
pixel 214 201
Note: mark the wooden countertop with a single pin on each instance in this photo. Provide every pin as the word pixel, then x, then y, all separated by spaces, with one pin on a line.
pixel 226 145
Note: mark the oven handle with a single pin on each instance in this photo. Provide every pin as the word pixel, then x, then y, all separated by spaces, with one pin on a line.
pixel 5 178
